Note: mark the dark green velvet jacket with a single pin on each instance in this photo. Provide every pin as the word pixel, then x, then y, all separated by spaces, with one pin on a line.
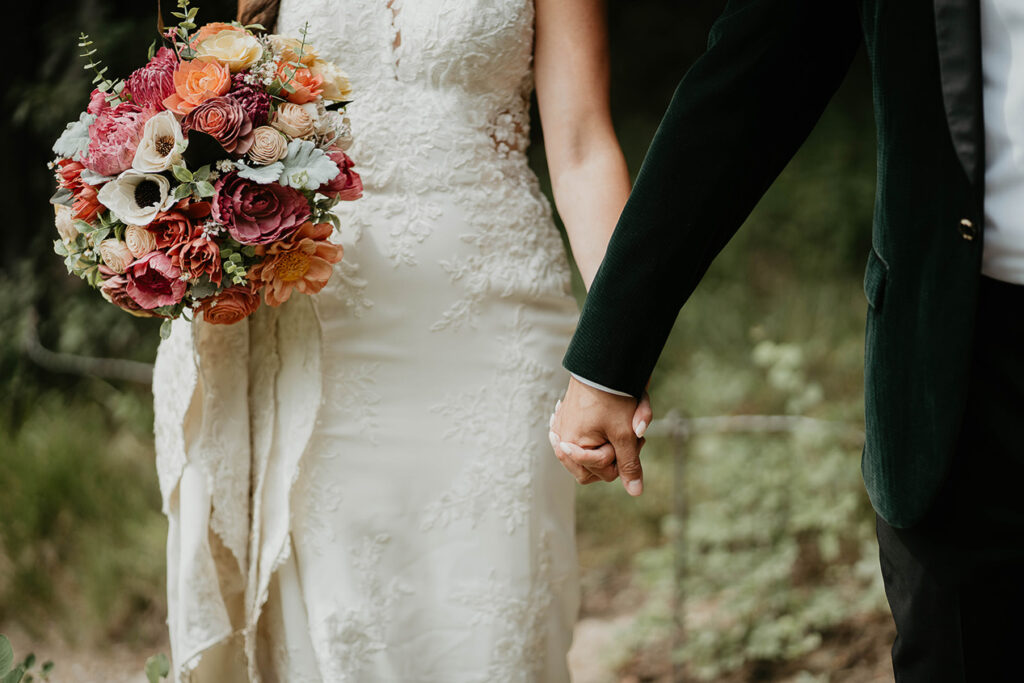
pixel 736 119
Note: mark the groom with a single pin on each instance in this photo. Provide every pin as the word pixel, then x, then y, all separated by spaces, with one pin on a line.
pixel 944 362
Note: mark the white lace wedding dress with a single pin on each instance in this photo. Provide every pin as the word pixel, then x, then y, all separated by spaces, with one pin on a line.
pixel 358 484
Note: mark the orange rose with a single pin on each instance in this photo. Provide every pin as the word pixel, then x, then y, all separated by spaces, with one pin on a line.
pixel 303 262
pixel 195 82
pixel 230 306
pixel 305 85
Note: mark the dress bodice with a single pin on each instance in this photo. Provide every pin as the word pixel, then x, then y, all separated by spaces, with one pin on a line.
pixel 440 86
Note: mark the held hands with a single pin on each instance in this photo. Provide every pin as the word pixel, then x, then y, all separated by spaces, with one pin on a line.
pixel 598 436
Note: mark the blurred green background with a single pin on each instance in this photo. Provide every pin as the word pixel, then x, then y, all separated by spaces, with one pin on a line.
pixel 751 555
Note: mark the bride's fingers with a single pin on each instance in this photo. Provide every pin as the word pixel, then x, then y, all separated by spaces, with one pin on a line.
pixel 562 453
pixel 643 416
pixel 598 461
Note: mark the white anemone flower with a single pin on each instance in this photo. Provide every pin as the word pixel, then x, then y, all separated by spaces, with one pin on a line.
pixel 136 198
pixel 160 146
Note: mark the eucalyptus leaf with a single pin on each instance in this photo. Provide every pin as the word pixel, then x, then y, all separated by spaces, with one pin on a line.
pixel 13 676
pixel 90 177
pixel 60 248
pixel 157 666
pixel 182 173
pixel 165 332
pixel 203 289
pixel 182 191
pixel 62 197
pixel 74 141
pixel 204 188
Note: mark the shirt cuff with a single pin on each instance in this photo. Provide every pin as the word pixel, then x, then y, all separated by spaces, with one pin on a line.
pixel 595 385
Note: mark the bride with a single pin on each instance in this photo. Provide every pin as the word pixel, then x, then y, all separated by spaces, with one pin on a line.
pixel 358 484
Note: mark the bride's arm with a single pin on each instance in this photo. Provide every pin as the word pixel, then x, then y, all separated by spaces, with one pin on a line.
pixel 588 172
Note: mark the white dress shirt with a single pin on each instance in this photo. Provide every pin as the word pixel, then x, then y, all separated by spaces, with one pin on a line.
pixel 1002 64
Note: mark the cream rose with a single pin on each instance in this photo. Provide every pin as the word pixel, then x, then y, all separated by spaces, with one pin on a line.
pixel 115 254
pixel 293 121
pixel 268 145
pixel 139 240
pixel 159 148
pixel 288 49
pixel 135 198
pixel 336 85
pixel 64 219
pixel 237 50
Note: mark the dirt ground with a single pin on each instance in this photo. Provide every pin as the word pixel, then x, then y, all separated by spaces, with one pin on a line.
pixel 857 652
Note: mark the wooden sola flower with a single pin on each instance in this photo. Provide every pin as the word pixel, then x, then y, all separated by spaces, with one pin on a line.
pixel 303 262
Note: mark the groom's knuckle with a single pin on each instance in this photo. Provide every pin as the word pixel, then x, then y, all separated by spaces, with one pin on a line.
pixel 630 467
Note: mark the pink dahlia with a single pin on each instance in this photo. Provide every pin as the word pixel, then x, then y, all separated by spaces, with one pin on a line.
pixel 153 281
pixel 347 185
pixel 151 84
pixel 113 138
pixel 255 100
pixel 258 214
pixel 97 103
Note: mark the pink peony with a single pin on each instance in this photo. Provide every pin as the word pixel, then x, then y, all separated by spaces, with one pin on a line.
pixel 258 214
pixel 113 138
pixel 225 120
pixel 97 103
pixel 151 84
pixel 153 281
pixel 347 185
pixel 255 100
pixel 113 290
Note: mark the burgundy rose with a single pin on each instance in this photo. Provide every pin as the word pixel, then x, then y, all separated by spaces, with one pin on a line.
pixel 258 214
pixel 254 100
pixel 153 281
pixel 225 120
pixel 347 185
pixel 151 84
pixel 197 257
pixel 113 138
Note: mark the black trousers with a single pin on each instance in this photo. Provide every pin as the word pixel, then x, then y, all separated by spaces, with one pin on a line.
pixel 955 581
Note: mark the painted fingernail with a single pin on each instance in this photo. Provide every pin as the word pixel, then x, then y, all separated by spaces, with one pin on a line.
pixel 641 429
pixel 558 405
pixel 635 487
pixel 553 438
pixel 566 448
pixel 551 422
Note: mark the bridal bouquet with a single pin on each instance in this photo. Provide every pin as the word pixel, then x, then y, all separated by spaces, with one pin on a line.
pixel 205 180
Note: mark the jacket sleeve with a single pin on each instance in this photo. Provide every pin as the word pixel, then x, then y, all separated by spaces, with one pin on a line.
pixel 738 116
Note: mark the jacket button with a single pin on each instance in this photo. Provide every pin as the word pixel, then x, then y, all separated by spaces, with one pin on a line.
pixel 968 230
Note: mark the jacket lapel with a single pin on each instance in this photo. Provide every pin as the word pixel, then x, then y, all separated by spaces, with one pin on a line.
pixel 958 26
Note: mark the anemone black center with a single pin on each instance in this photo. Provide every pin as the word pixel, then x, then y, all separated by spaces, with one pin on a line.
pixel 147 193
pixel 164 145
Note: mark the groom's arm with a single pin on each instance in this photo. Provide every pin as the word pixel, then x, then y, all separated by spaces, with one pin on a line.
pixel 736 119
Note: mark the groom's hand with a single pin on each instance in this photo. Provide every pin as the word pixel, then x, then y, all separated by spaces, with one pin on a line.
pixel 598 435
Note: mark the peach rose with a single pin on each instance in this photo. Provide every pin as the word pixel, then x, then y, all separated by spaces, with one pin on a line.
pixel 115 254
pixel 294 121
pixel 195 82
pixel 305 86
pixel 139 240
pixel 288 49
pixel 237 49
pixel 213 28
pixel 336 85
pixel 268 145
pixel 231 305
